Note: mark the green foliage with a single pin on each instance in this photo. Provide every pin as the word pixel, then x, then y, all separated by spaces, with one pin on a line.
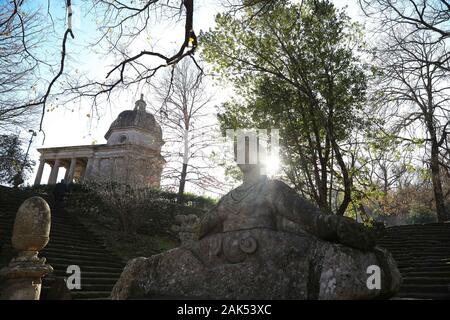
pixel 12 159
pixel 420 213
pixel 296 69
pixel 405 205
pixel 151 212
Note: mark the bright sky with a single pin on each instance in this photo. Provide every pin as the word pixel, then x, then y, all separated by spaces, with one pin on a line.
pixel 64 127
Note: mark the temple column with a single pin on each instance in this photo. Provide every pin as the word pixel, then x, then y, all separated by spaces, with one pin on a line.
pixel 82 173
pixel 37 180
pixel 54 173
pixel 87 170
pixel 71 171
pixel 66 175
pixel 95 168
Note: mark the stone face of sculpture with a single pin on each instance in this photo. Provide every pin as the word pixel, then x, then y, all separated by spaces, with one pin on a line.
pixel 264 241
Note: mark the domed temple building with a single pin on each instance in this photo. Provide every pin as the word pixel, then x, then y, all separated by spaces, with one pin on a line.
pixel 131 155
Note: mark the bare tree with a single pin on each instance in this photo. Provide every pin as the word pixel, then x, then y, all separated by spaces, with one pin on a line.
pixel 186 118
pixel 416 16
pixel 417 91
pixel 122 26
pixel 19 35
pixel 122 23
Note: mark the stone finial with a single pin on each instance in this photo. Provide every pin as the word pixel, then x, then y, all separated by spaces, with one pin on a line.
pixel 140 104
pixel 30 235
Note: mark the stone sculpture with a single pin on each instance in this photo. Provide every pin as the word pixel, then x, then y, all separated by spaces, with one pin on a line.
pixel 264 241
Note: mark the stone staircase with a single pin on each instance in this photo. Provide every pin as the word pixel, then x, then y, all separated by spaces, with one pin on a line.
pixel 423 256
pixel 71 243
pixel 421 251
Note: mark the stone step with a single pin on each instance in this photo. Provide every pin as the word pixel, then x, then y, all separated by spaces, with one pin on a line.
pixel 87 240
pixel 73 251
pixel 429 273
pixel 417 229
pixel 83 262
pixel 422 255
pixel 419 250
pixel 424 295
pixel 426 288
pixel 406 244
pixel 414 255
pixel 87 268
pixel 93 280
pixel 408 236
pixel 84 287
pixel 70 243
pixel 74 244
pixel 91 295
pixel 90 274
pixel 405 264
pixel 75 248
pixel 82 257
pixel 426 280
pixel 408 269
pixel 81 294
pixel 66 222
pixel 420 262
pixel 6 225
pixel 421 225
pixel 70 232
pixel 424 238
pixel 412 234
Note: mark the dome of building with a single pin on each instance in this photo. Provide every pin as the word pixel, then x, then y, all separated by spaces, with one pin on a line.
pixel 138 118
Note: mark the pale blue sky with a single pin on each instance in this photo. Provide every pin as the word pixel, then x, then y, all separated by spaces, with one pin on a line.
pixel 64 127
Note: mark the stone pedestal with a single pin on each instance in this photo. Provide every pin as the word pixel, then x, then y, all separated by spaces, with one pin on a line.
pixel 21 279
pixel 258 264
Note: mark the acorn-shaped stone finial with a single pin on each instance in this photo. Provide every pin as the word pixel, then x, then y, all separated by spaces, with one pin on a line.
pixel 31 228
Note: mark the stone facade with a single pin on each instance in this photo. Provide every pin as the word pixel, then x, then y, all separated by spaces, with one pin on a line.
pixel 132 154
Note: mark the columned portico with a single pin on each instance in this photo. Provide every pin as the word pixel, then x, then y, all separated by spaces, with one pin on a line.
pixel 132 154
pixel 71 171
pixel 82 173
pixel 66 175
pixel 38 179
pixel 88 169
pixel 54 173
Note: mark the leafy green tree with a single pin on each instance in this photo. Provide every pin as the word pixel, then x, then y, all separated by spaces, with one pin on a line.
pixel 297 71
pixel 12 159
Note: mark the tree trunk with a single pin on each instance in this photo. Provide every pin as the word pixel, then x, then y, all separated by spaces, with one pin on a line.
pixel 441 211
pixel 180 198
pixel 347 179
